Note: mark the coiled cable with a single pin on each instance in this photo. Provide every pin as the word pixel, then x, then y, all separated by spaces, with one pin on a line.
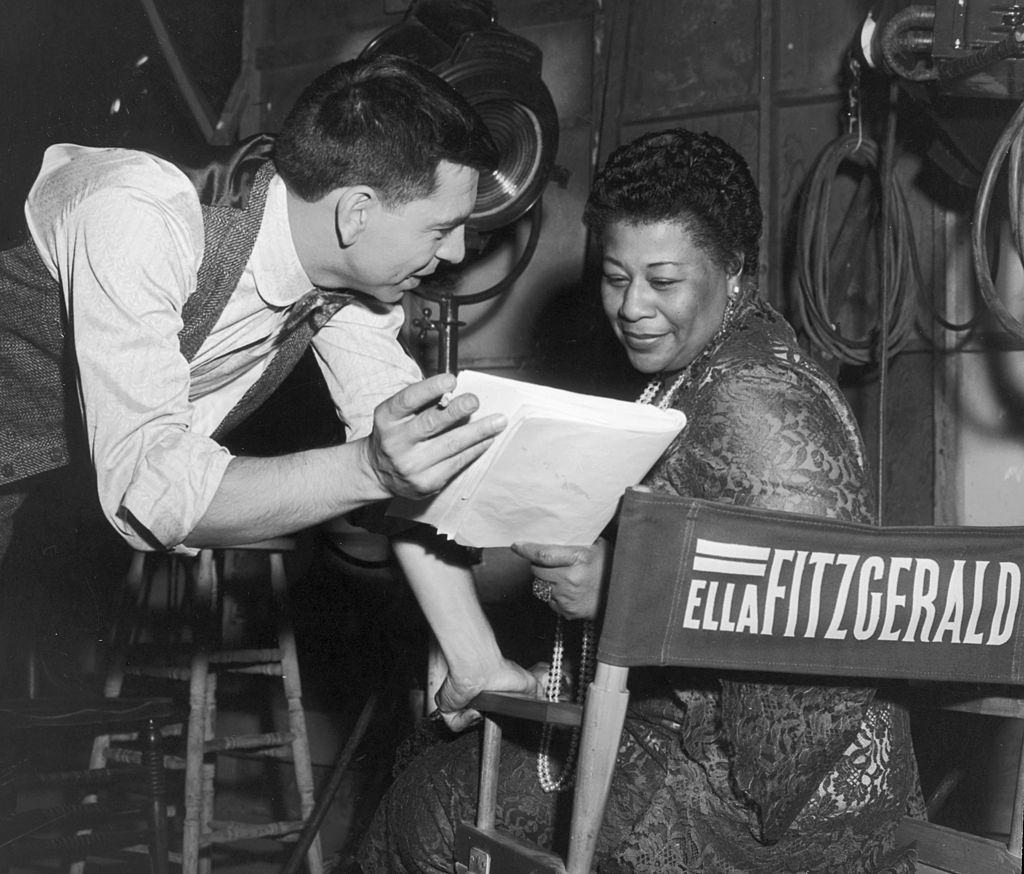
pixel 910 30
pixel 1010 141
pixel 814 250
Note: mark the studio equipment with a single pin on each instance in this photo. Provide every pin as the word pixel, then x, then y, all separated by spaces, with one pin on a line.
pixel 499 74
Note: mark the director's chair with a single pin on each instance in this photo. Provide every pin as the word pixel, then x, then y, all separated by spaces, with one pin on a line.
pixel 709 585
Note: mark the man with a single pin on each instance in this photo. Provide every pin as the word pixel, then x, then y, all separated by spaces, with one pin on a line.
pixel 155 306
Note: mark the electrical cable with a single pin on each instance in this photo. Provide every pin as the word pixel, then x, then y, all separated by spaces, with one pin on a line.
pixel 912 31
pixel 1009 141
pixel 814 251
pixel 1010 47
pixel 898 37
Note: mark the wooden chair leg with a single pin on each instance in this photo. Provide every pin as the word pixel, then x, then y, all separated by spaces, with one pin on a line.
pixel 302 758
pixel 197 772
pixel 603 718
pixel 153 762
pixel 194 760
pixel 1017 816
pixel 490 758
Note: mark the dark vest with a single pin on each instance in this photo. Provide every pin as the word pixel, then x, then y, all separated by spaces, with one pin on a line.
pixel 40 426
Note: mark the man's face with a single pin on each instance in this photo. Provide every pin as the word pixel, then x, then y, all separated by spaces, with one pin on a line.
pixel 401 245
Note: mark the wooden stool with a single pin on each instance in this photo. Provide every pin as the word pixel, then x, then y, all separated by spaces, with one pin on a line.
pixel 196 657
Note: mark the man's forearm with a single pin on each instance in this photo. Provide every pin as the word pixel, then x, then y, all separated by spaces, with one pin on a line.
pixel 415 448
pixel 268 497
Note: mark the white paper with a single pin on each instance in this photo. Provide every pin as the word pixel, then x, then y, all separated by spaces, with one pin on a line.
pixel 557 472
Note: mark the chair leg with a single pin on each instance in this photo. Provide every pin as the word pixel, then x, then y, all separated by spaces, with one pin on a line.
pixel 201 701
pixel 209 776
pixel 194 763
pixel 153 761
pixel 489 763
pixel 603 716
pixel 1017 816
pixel 301 755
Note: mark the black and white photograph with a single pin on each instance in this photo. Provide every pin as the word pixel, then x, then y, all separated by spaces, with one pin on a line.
pixel 512 437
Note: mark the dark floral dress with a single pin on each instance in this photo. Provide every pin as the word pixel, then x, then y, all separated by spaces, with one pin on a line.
pixel 716 773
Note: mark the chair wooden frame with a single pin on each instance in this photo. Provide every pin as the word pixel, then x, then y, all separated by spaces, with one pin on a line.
pixel 964 583
pixel 91 826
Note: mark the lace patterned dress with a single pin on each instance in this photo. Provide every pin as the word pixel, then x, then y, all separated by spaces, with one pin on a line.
pixel 716 773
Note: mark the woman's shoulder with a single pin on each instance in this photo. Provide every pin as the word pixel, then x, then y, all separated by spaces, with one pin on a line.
pixel 762 355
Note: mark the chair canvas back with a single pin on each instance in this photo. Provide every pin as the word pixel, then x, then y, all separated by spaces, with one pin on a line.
pixel 731 587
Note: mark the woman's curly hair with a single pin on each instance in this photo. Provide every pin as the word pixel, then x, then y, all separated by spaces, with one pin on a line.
pixel 677 175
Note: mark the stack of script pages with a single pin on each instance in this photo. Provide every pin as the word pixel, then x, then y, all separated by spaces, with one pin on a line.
pixel 555 475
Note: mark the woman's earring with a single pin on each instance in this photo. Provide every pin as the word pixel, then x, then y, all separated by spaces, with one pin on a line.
pixel 732 299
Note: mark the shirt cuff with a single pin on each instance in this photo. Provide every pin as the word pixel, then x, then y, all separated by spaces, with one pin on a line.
pixel 159 510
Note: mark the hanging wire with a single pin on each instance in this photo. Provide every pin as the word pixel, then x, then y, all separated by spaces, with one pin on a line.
pixel 814 247
pixel 1009 142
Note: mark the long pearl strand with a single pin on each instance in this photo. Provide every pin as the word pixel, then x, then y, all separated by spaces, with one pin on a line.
pixel 565 777
pixel 564 780
pixel 554 679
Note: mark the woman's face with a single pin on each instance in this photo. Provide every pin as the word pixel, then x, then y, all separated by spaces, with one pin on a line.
pixel 663 296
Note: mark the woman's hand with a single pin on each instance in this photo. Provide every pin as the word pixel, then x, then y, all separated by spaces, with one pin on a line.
pixel 456 692
pixel 577 575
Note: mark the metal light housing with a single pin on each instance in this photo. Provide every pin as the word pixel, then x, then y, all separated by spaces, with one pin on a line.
pixel 499 74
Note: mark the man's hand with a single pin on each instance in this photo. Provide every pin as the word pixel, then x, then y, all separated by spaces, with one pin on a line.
pixel 417 446
pixel 577 575
pixel 456 692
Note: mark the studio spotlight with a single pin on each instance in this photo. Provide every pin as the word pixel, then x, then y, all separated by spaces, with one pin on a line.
pixel 498 73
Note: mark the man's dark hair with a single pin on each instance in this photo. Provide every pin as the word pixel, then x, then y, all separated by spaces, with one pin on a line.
pixel 385 122
pixel 680 176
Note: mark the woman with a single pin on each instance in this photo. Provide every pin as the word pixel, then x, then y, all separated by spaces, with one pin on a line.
pixel 724 773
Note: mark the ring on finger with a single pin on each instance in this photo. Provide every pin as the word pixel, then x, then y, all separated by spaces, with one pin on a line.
pixel 542 589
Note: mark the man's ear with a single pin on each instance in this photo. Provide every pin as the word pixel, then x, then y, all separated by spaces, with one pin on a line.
pixel 353 211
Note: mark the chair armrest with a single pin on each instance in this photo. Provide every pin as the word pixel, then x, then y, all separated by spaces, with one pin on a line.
pixel 526 707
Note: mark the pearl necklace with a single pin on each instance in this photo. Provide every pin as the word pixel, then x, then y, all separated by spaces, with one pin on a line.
pixel 554 679
pixel 548 782
pixel 654 386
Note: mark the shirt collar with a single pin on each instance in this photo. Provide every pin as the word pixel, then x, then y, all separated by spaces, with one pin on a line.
pixel 274 263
